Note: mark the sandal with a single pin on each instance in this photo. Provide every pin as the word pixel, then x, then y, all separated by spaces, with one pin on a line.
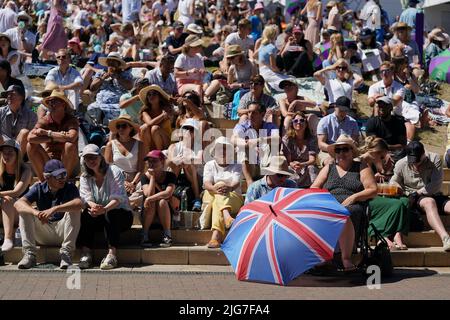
pixel 400 247
pixel 349 270
pixel 213 244
pixel 229 223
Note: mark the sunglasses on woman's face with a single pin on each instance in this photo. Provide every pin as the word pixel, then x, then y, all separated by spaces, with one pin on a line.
pixel 121 126
pixel 253 84
pixel 152 93
pixel 298 121
pixel 385 71
pixel 342 68
pixel 340 150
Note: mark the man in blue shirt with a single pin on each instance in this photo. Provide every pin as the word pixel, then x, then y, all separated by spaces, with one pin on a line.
pixel 56 221
pixel 255 139
pixel 409 15
pixel 333 125
pixel 277 174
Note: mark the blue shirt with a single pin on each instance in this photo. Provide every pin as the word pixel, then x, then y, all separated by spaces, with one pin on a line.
pixel 257 27
pixel 245 130
pixel 260 187
pixel 45 199
pixel 409 17
pixel 265 52
pixel 333 128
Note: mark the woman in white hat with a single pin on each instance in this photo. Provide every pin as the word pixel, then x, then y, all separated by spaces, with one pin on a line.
pixel 7 52
pixel 15 177
pixel 186 155
pixel 222 183
pixel 352 183
pixel 189 67
pixel 125 151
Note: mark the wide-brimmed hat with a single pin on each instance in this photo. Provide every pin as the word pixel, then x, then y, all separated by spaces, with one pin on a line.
pixel 143 93
pixel 4 35
pixel 401 25
pixel 75 41
pixel 112 56
pixel 49 87
pixel 224 141
pixel 56 94
pixel 123 118
pixel 194 28
pixel 286 82
pixel 343 140
pixel 233 51
pixel 193 41
pixel 23 14
pixel 277 165
pixel 438 36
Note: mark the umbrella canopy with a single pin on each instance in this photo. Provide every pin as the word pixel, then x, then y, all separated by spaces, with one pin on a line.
pixel 284 233
pixel 440 67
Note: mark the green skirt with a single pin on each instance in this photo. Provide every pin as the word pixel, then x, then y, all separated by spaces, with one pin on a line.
pixel 389 216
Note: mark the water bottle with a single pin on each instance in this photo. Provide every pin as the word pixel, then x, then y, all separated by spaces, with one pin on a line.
pixel 18 238
pixel 184 201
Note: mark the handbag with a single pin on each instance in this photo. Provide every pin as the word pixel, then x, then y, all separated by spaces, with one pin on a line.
pixel 380 255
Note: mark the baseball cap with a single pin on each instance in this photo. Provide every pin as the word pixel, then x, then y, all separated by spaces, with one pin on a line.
pixel 343 103
pixel 297 29
pixel 91 149
pixel 385 99
pixel 155 154
pixel 54 167
pixel 414 151
pixel 178 24
pixel 10 143
pixel 17 89
pixel 286 82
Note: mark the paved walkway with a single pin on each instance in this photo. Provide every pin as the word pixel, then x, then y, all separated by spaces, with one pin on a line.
pixel 212 283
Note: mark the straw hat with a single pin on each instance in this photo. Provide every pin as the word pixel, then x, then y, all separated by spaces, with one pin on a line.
pixel 122 118
pixel 49 87
pixel 343 140
pixel 143 93
pixel 112 56
pixel 56 94
pixel 194 28
pixel 233 51
pixel 193 41
pixel 401 25
pixel 278 165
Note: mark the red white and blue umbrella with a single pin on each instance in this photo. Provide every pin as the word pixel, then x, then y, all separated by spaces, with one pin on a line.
pixel 284 233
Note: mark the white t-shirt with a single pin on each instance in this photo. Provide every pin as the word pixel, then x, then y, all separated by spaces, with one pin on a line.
pixel 230 174
pixel 396 89
pixel 246 44
pixel 14 35
pixel 336 88
pixel 183 10
pixel 8 19
pixel 187 63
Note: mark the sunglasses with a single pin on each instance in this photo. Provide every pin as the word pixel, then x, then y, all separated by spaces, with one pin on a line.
pixel 256 84
pixel 342 68
pixel 61 176
pixel 90 158
pixel 339 150
pixel 281 176
pixel 152 93
pixel 61 57
pixel 121 126
pixel 386 71
pixel 298 121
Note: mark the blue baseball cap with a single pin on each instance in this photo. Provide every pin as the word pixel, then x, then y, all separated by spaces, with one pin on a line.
pixel 54 167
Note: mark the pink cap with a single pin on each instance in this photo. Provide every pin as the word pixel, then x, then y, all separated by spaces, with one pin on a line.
pixel 259 5
pixel 155 154
pixel 297 29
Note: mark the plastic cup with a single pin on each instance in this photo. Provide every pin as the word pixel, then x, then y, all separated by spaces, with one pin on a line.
pixel 188 220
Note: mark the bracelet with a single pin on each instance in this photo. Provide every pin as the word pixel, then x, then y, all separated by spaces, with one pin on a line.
pixel 49 133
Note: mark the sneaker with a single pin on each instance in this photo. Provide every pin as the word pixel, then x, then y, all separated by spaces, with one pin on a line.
pixel 197 205
pixel 66 261
pixel 8 244
pixel 145 241
pixel 109 262
pixel 166 242
pixel 28 261
pixel 85 261
pixel 446 243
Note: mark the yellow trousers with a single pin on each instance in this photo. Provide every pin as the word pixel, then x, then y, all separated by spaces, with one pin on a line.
pixel 232 202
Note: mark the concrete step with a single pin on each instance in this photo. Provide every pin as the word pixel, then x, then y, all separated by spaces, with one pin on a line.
pixel 201 255
pixel 446 174
pixel 445 189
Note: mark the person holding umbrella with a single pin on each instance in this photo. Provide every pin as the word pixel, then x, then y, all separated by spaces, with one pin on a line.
pixel 352 184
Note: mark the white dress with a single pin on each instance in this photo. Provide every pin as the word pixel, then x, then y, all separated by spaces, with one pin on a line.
pixel 183 11
pixel 129 163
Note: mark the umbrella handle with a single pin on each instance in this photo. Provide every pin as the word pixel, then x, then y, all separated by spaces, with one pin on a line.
pixel 273 211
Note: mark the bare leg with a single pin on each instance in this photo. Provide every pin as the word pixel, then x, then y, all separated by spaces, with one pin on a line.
pixel 287 123
pixel 346 242
pixel 149 216
pixel 191 174
pixel 70 157
pixel 212 89
pixel 226 214
pixel 399 239
pixel 38 158
pixel 216 235
pixel 22 140
pixel 144 136
pixel 10 215
pixel 410 131
pixel 431 210
pixel 164 214
pixel 159 138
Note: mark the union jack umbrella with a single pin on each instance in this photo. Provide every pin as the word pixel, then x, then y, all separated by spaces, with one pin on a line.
pixel 284 233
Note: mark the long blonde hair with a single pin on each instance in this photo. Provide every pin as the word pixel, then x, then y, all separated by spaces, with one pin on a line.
pixel 19 168
pixel 269 34
pixel 374 143
pixel 337 40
